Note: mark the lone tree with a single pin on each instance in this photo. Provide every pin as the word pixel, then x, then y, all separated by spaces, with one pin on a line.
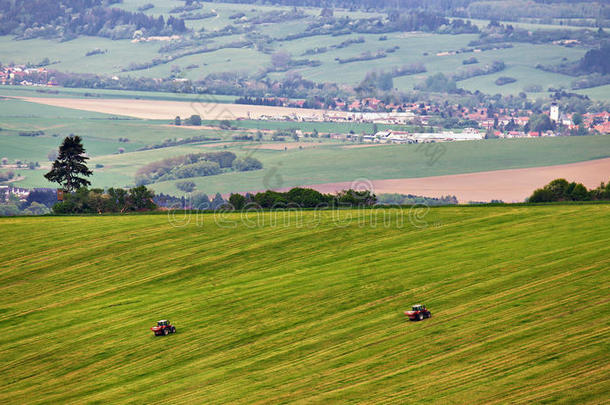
pixel 70 164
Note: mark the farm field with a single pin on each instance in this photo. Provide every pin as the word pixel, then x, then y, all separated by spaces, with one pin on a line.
pixel 318 164
pixel 428 49
pixel 511 185
pixel 280 313
pixel 320 160
pixel 598 93
pixel 102 131
pixel 163 109
pixel 67 92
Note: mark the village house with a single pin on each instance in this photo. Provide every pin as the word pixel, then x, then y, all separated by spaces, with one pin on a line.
pixel 400 137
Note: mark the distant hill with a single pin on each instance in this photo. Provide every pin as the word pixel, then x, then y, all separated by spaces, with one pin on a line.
pixel 66 19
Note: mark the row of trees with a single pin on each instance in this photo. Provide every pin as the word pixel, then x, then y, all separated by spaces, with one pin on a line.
pixel 562 190
pixel 98 201
pixel 302 198
pixel 410 199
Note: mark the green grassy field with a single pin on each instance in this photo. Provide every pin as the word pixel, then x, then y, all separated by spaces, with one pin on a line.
pixel 415 47
pixel 101 132
pixel 597 93
pixel 312 313
pixel 321 161
pixel 66 92
pixel 333 163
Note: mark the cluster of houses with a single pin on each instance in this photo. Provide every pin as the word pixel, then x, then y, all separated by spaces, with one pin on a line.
pixel 600 122
pixel 402 137
pixel 373 110
pixel 399 137
pixel 507 123
pixel 389 118
pixel 19 192
pixel 25 76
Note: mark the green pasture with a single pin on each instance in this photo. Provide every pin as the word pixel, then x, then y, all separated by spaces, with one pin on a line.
pixel 290 307
pixel 17 115
pixel 597 93
pixel 336 163
pixel 415 47
pixel 321 127
pixel 321 161
pixel 66 92
pixel 557 24
pixel 100 133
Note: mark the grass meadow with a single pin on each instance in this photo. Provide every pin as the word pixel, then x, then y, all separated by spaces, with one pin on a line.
pixel 414 47
pixel 274 312
pixel 334 163
pixel 320 161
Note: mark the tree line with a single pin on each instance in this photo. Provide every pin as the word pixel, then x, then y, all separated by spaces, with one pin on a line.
pixel 562 190
pixel 301 198
pixel 113 200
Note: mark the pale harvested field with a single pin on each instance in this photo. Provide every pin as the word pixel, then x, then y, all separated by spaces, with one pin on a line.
pixel 160 109
pixel 513 185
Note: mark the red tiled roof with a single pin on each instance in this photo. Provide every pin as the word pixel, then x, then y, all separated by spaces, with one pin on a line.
pixel 603 128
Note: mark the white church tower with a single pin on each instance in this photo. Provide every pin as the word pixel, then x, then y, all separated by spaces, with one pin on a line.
pixel 554 112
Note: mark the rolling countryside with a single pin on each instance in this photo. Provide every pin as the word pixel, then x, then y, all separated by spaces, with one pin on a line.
pixel 305 202
pixel 437 52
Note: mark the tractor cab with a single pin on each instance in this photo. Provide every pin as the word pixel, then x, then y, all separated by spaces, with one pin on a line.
pixel 163 327
pixel 418 312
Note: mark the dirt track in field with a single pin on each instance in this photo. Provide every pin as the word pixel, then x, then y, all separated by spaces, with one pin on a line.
pixel 160 109
pixel 512 185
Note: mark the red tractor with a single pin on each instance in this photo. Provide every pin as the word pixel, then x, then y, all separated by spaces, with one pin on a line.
pixel 163 328
pixel 418 313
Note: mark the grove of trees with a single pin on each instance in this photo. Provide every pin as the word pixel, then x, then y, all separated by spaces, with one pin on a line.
pixel 67 19
pixel 194 165
pixel 98 201
pixel 302 198
pixel 562 190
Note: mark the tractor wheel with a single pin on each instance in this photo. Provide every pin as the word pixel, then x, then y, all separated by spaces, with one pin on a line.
pixel 173 329
pixel 166 332
pixel 421 316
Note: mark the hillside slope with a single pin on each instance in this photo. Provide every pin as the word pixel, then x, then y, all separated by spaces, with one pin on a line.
pixel 275 314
